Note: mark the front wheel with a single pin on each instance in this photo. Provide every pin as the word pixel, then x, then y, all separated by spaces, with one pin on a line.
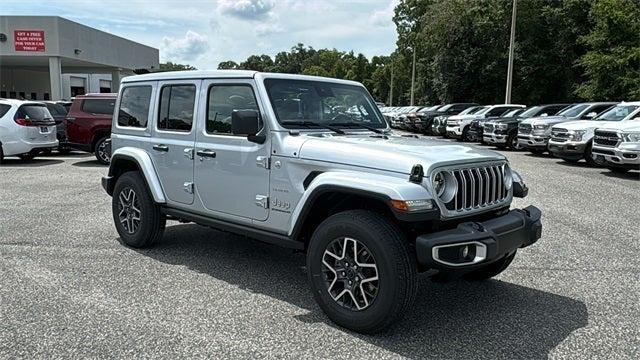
pixel 103 150
pixel 513 143
pixel 361 270
pixel 491 270
pixel 137 217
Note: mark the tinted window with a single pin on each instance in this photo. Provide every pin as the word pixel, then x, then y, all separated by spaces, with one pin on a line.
pixel 134 106
pixel 56 109
pixel 617 113
pixel 33 112
pixel 4 109
pixel 176 107
pixel 223 100
pixel 497 111
pixel 98 106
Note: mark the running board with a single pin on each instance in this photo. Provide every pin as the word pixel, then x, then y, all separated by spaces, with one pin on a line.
pixel 261 235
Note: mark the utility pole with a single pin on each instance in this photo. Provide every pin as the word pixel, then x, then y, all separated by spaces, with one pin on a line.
pixel 391 89
pixel 507 97
pixel 413 73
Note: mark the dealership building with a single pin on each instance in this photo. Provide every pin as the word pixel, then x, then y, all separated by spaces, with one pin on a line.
pixel 52 58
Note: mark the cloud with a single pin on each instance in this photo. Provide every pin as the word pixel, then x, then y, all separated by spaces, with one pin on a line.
pixel 188 48
pixel 247 9
pixel 384 17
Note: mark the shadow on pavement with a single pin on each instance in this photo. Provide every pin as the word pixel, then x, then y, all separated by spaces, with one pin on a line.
pixel 454 320
pixel 630 175
pixel 19 163
pixel 89 163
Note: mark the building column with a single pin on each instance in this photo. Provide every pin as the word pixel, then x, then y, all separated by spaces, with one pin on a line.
pixel 55 78
pixel 116 76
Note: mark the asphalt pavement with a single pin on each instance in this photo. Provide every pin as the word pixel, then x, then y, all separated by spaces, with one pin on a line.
pixel 69 289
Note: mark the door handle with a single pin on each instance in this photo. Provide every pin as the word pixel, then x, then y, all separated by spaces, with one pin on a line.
pixel 160 147
pixel 206 153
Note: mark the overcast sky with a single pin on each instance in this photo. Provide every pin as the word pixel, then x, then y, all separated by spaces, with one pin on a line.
pixel 204 33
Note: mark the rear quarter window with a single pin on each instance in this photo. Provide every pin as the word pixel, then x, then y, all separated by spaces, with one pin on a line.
pixel 98 106
pixel 134 106
pixel 4 109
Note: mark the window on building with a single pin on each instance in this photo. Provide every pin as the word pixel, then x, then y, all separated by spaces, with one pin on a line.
pixel 12 94
pixel 98 106
pixel 22 95
pixel 46 96
pixel 34 96
pixel 134 106
pixel 176 107
pixel 3 94
pixel 222 101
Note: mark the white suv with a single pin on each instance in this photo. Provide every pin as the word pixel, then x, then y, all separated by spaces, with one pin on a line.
pixel 26 128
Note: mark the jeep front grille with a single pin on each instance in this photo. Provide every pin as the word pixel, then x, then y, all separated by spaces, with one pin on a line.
pixel 606 138
pixel 478 187
pixel 524 129
pixel 559 134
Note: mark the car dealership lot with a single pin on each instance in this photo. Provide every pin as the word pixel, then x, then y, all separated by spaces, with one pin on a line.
pixel 69 288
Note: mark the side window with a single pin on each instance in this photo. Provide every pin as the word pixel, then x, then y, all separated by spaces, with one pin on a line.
pixel 4 109
pixel 222 101
pixel 134 106
pixel 176 107
pixel 497 111
pixel 98 106
pixel 599 108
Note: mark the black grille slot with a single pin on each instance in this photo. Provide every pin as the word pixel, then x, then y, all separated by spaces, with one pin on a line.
pixel 559 135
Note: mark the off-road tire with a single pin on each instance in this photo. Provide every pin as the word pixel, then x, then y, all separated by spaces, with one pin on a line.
pixel 99 149
pixel 394 259
pixel 490 270
pixel 152 221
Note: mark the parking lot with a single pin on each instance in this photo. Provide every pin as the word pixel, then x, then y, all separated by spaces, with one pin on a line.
pixel 68 288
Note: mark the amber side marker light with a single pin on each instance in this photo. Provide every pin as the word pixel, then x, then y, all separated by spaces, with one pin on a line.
pixel 412 205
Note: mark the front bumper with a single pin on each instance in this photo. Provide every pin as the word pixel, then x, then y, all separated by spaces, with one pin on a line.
pixel 494 139
pixel 567 149
pixel 533 141
pixel 486 241
pixel 454 131
pixel 625 155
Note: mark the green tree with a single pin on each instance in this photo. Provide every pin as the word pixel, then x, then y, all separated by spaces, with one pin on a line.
pixel 169 66
pixel 228 65
pixel 612 62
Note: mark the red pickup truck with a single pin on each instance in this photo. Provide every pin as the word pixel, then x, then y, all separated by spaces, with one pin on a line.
pixel 88 124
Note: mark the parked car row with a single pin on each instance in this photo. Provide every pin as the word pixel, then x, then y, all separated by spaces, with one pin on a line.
pixel 601 133
pixel 30 128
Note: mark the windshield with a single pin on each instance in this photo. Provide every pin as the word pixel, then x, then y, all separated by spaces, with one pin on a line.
pixel 617 113
pixel 322 102
pixel 531 112
pixel 472 110
pixel 512 113
pixel 33 112
pixel 573 111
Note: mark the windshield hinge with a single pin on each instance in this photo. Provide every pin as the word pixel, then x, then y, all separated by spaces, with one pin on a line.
pixel 263 161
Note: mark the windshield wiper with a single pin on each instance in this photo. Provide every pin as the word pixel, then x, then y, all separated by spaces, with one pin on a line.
pixel 354 124
pixel 311 123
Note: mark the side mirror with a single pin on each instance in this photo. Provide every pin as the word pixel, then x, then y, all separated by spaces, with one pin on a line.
pixel 247 122
pixel 591 115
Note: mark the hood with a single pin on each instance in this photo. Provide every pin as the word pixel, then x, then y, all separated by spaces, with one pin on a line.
pixel 587 124
pixel 545 120
pixel 396 153
pixel 465 117
pixel 623 125
pixel 509 120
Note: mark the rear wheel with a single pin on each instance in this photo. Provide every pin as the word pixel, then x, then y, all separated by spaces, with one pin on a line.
pixel 137 217
pixel 491 270
pixel 103 150
pixel 465 134
pixel 361 270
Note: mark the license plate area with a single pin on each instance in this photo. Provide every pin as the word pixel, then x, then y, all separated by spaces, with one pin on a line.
pixel 44 130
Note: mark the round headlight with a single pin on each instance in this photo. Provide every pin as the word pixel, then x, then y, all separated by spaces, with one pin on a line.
pixel 508 177
pixel 444 186
pixel 439 184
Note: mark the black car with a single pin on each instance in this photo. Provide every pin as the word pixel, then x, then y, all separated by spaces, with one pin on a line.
pixel 476 129
pixel 504 132
pixel 59 112
pixel 425 117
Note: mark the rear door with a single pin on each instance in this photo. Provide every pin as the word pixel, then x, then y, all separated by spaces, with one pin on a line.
pixel 88 115
pixel 173 138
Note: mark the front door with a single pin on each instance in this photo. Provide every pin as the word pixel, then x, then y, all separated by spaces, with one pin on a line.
pixel 231 173
pixel 174 137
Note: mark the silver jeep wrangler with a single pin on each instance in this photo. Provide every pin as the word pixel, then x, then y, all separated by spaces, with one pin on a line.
pixel 309 163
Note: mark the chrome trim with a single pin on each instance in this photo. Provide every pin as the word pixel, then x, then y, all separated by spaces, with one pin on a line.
pixel 481 253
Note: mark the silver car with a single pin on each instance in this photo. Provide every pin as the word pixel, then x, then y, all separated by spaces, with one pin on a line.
pixel 309 163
